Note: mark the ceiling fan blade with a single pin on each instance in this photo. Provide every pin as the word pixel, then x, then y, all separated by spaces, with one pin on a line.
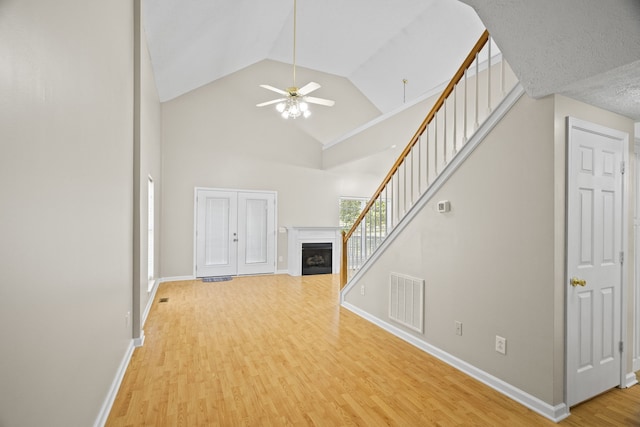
pixel 320 101
pixel 275 89
pixel 271 102
pixel 308 88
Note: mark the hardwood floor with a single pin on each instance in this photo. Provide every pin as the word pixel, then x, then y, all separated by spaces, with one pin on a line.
pixel 279 350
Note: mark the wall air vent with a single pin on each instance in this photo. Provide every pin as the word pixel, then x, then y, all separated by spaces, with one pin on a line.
pixel 406 301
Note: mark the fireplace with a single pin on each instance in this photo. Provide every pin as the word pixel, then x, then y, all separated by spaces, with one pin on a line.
pixel 323 259
pixel 316 258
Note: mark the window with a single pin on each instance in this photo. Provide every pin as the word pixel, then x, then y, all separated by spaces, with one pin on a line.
pixel 350 209
pixel 376 220
pixel 150 232
pixel 371 231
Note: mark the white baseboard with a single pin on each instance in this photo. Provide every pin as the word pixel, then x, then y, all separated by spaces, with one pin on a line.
pixel 152 296
pixel 175 279
pixel 554 413
pixel 139 342
pixel 631 380
pixel 282 271
pixel 115 386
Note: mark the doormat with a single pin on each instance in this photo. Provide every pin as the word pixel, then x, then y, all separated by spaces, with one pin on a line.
pixel 216 279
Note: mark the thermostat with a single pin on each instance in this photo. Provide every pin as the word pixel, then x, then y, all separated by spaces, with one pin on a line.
pixel 444 206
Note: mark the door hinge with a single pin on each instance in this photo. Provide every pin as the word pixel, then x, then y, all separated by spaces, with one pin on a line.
pixel 621 346
pixel 621 257
pixel 622 167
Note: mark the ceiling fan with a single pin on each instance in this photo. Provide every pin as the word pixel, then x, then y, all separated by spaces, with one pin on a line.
pixel 295 101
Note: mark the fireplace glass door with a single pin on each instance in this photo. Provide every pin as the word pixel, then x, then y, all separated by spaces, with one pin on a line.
pixel 316 258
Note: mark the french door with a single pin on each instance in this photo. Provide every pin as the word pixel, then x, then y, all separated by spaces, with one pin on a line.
pixel 235 232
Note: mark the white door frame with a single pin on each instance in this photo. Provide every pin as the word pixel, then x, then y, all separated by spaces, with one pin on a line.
pixel 625 380
pixel 195 219
pixel 636 226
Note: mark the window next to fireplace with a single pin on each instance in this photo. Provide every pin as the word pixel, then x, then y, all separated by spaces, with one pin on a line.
pixel 316 258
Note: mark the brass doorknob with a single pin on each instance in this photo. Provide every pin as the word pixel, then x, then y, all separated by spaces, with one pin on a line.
pixel 578 282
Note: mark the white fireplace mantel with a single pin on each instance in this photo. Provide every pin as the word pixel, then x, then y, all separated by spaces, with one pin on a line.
pixel 299 235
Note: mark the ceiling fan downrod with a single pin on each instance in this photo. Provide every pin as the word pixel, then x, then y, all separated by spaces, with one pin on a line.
pixel 294 102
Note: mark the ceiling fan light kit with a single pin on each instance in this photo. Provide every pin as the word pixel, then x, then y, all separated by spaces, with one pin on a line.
pixel 293 108
pixel 295 102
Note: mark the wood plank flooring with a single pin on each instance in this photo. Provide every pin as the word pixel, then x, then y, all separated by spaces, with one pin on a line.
pixel 280 351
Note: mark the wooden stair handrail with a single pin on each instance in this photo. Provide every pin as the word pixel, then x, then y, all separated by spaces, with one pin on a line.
pixel 436 107
pixel 471 57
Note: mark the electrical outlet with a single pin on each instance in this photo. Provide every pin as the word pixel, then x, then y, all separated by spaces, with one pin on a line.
pixel 280 258
pixel 362 290
pixel 501 344
pixel 127 318
pixel 458 328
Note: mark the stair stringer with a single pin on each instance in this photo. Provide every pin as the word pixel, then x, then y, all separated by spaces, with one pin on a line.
pixel 494 118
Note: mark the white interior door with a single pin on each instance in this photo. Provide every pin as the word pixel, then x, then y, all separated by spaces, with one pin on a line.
pixel 235 232
pixel 594 259
pixel 256 233
pixel 216 233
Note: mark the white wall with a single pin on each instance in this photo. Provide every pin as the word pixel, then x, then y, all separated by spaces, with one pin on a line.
pixel 496 262
pixel 377 140
pixel 377 145
pixel 489 262
pixel 215 137
pixel 66 133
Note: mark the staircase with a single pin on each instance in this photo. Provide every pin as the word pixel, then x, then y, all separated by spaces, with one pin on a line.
pixel 480 92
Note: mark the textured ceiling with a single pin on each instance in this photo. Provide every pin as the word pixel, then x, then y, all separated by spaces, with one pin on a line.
pixel 373 43
pixel 586 49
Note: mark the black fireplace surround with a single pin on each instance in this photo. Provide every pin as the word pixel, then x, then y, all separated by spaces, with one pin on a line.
pixel 316 258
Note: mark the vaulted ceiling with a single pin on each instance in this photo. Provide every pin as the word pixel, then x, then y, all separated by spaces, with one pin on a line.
pixel 375 44
pixel 363 49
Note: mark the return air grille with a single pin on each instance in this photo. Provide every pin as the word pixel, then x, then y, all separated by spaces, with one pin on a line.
pixel 406 301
